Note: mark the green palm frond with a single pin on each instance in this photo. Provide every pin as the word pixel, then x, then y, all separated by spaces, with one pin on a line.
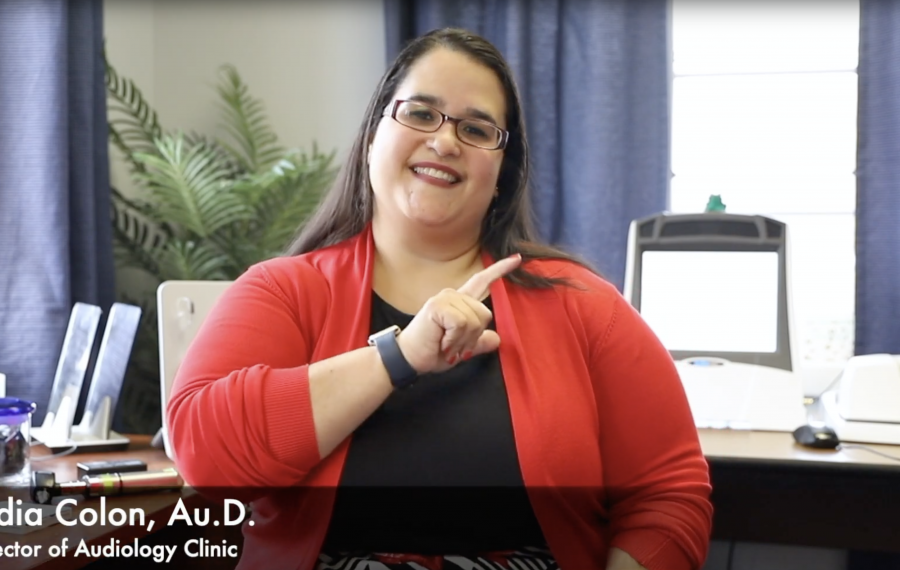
pixel 245 121
pixel 137 241
pixel 291 200
pixel 191 187
pixel 133 124
pixel 139 207
pixel 129 236
pixel 190 260
pixel 226 159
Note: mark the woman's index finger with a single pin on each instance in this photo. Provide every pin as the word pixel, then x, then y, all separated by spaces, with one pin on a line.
pixel 479 285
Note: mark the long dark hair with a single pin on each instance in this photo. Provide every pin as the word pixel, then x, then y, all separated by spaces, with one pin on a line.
pixel 508 227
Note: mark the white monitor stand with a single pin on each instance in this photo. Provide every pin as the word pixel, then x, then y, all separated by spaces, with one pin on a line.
pixel 181 307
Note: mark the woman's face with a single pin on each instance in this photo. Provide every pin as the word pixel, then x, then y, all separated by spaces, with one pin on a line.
pixel 433 179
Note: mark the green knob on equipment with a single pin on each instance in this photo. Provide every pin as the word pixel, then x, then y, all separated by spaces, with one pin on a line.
pixel 715 204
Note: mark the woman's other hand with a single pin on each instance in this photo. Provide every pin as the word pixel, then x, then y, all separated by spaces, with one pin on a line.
pixel 451 325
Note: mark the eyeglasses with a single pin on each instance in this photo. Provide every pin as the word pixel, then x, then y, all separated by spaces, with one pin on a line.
pixel 425 118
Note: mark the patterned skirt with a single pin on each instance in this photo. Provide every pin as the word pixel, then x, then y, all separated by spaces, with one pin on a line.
pixel 524 559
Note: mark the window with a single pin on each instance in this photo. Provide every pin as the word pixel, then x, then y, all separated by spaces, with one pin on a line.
pixel 764 114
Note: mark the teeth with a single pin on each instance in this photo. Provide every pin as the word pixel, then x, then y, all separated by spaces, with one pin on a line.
pixel 435 173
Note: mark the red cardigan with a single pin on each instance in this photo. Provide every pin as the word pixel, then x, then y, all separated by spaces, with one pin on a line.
pixel 604 435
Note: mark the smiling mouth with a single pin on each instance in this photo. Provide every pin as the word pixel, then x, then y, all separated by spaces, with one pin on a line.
pixel 435 173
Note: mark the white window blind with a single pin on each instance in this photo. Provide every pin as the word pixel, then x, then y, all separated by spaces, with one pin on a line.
pixel 764 114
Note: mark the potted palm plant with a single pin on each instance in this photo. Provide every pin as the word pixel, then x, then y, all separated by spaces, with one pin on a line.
pixel 205 209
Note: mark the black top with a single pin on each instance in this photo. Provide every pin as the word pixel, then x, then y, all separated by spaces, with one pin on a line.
pixel 435 470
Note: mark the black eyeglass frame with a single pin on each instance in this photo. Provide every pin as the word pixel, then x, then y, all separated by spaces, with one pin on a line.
pixel 395 106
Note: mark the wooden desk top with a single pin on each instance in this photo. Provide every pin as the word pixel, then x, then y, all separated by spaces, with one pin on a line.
pixel 65 469
pixel 768 489
pixel 780 447
pixel 156 506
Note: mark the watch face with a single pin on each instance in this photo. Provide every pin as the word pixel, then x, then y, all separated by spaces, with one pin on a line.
pixel 392 330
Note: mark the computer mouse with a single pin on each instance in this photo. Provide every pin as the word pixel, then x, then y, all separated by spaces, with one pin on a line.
pixel 821 437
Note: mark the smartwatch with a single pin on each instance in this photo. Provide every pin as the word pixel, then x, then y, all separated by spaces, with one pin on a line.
pixel 398 368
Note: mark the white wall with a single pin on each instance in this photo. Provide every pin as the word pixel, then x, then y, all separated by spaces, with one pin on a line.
pixel 314 63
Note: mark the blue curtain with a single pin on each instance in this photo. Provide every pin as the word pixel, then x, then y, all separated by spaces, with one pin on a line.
pixel 55 230
pixel 878 180
pixel 594 76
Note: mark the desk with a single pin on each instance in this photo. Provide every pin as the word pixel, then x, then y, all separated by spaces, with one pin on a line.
pixel 766 488
pixel 157 507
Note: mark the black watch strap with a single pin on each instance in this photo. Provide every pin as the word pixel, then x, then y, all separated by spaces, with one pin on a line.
pixel 398 368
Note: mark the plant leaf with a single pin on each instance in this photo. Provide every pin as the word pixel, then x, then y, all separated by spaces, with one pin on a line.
pixel 235 169
pixel 191 187
pixel 254 144
pixel 190 260
pixel 137 241
pixel 133 124
pixel 291 199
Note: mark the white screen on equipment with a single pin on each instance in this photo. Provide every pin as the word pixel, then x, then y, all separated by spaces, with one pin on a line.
pixel 716 301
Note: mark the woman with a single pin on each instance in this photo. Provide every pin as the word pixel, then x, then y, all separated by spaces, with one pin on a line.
pixel 423 384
